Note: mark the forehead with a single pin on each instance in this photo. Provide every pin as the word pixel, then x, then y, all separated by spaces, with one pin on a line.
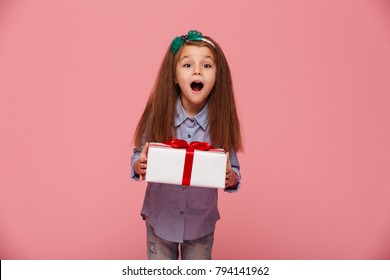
pixel 196 52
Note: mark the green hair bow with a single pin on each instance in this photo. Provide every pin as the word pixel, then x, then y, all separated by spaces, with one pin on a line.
pixel 179 41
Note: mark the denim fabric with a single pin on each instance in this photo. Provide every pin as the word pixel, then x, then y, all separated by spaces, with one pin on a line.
pixel 160 249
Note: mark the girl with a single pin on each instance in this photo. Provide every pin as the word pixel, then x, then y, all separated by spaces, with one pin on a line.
pixel 192 100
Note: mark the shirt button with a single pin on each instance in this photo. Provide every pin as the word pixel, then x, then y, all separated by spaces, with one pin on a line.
pixel 189 135
pixel 181 213
pixel 192 121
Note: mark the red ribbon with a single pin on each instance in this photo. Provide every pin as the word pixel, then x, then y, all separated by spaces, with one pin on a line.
pixel 189 159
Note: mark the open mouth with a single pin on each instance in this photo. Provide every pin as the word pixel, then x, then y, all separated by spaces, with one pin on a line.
pixel 196 86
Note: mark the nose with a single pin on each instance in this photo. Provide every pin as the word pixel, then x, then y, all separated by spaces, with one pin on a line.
pixel 197 71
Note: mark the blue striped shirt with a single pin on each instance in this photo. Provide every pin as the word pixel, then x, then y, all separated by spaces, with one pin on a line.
pixel 179 213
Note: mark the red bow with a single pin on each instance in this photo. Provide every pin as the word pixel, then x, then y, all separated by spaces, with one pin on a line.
pixel 196 145
pixel 189 159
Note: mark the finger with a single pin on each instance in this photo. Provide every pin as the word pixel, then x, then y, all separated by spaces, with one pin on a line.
pixel 143 162
pixel 144 153
pixel 230 179
pixel 227 182
pixel 228 175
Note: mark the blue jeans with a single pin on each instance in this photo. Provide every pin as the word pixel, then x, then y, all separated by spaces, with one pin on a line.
pixel 160 249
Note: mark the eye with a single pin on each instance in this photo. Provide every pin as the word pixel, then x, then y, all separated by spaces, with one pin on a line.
pixel 206 65
pixel 187 65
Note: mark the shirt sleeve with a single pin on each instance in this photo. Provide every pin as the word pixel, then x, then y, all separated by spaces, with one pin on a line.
pixel 236 168
pixel 136 154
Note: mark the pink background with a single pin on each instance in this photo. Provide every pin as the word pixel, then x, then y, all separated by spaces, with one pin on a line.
pixel 312 82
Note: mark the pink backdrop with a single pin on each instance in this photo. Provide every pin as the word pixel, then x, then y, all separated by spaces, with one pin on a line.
pixel 312 81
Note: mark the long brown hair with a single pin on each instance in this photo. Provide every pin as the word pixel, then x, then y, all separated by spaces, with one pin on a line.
pixel 157 121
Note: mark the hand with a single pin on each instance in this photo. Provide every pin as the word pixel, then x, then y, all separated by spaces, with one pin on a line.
pixel 141 163
pixel 231 177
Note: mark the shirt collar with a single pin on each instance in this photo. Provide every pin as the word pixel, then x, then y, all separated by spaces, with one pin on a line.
pixel 181 115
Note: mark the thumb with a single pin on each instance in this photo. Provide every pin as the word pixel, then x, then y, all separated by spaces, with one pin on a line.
pixel 144 152
pixel 228 164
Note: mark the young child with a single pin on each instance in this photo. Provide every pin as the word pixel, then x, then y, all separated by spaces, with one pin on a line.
pixel 192 100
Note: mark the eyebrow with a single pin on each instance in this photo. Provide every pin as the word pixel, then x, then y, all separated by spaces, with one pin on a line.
pixel 184 57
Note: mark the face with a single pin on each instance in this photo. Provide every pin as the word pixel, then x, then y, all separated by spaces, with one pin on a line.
pixel 195 75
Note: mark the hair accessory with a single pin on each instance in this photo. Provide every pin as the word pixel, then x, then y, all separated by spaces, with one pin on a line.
pixel 192 35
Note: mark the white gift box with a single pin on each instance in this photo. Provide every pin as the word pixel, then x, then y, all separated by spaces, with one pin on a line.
pixel 166 165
